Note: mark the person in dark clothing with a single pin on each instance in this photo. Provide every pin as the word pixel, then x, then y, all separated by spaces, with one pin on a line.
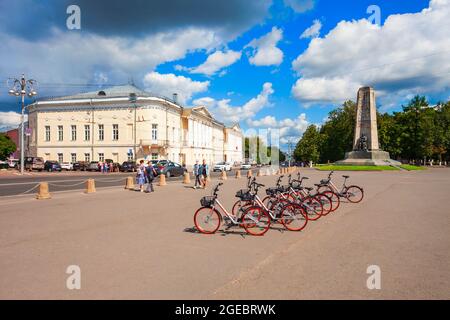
pixel 150 174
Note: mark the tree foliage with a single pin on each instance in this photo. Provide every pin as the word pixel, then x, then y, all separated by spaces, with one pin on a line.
pixel 416 132
pixel 7 146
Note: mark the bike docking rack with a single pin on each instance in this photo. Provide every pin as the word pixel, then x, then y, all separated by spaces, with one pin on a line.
pixel 292 205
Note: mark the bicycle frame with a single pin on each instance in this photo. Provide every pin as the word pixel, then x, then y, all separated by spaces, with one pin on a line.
pixel 223 211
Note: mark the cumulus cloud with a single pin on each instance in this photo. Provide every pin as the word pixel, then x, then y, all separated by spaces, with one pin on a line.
pixel 265 50
pixel 313 31
pixel 217 61
pixel 9 120
pixel 222 109
pixel 289 129
pixel 300 6
pixel 407 55
pixel 167 84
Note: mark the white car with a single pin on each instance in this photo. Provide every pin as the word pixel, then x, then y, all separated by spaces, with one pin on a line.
pixel 246 166
pixel 222 166
pixel 67 166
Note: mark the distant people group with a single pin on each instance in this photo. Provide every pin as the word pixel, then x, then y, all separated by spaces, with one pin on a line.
pixel 145 176
pixel 201 173
pixel 105 167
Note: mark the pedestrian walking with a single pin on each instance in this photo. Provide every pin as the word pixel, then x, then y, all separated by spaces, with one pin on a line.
pixel 150 173
pixel 140 176
pixel 205 173
pixel 197 174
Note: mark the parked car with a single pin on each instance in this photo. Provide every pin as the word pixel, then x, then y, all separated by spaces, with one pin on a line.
pixel 68 166
pixel 128 166
pixel 13 163
pixel 222 166
pixel 34 163
pixel 51 165
pixel 4 165
pixel 80 165
pixel 170 169
pixel 93 166
pixel 246 166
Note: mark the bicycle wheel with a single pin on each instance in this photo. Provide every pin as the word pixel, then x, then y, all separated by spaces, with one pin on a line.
pixel 207 220
pixel 239 208
pixel 256 221
pixel 354 194
pixel 327 205
pixel 313 208
pixel 293 217
pixel 335 200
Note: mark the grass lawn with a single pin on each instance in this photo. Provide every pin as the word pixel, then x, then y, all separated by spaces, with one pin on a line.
pixel 330 167
pixel 410 167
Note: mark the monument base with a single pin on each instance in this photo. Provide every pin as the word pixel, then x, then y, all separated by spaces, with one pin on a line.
pixel 368 158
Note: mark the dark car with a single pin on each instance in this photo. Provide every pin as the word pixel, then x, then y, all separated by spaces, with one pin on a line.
pixel 128 166
pixel 171 169
pixel 80 166
pixel 51 165
pixel 93 166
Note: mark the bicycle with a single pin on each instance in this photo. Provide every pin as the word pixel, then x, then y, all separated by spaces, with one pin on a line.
pixel 208 217
pixel 352 193
pixel 291 215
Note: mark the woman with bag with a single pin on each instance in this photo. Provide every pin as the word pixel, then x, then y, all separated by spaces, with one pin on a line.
pixel 140 176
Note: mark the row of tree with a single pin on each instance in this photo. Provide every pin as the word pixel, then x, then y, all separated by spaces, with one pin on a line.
pixel 7 146
pixel 417 132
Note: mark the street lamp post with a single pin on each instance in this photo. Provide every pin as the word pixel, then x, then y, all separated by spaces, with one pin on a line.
pixel 133 99
pixel 22 87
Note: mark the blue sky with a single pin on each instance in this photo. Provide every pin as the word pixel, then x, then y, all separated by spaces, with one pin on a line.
pixel 247 61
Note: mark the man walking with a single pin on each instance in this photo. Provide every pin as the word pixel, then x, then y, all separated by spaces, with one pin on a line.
pixel 150 173
pixel 197 174
pixel 204 172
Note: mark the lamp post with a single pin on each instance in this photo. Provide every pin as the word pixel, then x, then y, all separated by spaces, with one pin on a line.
pixel 133 99
pixel 22 87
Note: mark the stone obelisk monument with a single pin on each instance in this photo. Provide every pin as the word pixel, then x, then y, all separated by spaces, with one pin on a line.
pixel 366 150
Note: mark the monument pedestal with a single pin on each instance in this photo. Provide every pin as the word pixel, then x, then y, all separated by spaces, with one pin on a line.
pixel 368 158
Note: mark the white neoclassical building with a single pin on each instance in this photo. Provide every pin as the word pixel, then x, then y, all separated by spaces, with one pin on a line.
pixel 124 123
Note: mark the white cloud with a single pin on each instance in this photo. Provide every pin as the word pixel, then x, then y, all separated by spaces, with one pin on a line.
pixel 265 50
pixel 289 129
pixel 313 31
pixel 10 120
pixel 217 61
pixel 73 57
pixel 167 84
pixel 223 111
pixel 407 55
pixel 300 6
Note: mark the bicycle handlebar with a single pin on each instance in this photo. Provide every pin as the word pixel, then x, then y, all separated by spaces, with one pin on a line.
pixel 216 189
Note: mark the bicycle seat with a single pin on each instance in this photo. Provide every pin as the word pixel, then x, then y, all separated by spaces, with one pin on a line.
pixel 346 176
pixel 308 188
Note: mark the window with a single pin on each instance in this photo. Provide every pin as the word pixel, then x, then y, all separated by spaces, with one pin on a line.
pixel 87 132
pixel 115 132
pixel 74 132
pixel 60 157
pixel 87 157
pixel 60 133
pixel 154 156
pixel 101 157
pixel 101 132
pixel 154 131
pixel 73 157
pixel 173 134
pixel 47 133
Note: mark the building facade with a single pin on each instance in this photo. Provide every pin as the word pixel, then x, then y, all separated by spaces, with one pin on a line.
pixel 125 123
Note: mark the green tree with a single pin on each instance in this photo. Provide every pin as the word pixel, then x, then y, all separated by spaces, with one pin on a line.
pixel 7 146
pixel 307 148
pixel 338 132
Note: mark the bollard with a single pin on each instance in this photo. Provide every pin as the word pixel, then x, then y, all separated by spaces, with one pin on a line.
pixel 224 175
pixel 43 191
pixel 90 186
pixel 259 173
pixel 129 184
pixel 187 178
pixel 238 174
pixel 249 173
pixel 162 180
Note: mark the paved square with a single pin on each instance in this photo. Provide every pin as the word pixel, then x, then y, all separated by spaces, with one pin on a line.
pixel 134 245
